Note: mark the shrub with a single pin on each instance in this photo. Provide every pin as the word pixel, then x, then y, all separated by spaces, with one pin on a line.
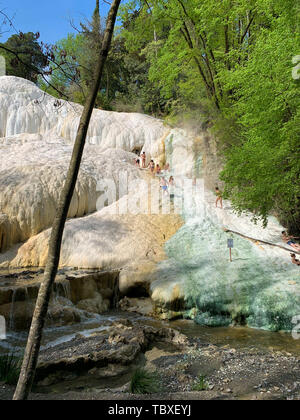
pixel 144 382
pixel 200 384
pixel 10 367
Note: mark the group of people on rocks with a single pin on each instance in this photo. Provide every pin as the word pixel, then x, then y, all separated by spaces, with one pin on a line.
pixel 140 162
pixel 288 239
pixel 155 169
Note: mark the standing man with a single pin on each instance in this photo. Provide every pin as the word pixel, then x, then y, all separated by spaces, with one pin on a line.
pixel 143 156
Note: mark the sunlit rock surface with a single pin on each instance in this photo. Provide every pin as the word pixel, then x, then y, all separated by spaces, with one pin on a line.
pixel 32 172
pixel 24 108
pixel 36 137
pixel 108 241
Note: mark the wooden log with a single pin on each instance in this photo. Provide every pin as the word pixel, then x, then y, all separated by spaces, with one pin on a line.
pixel 293 251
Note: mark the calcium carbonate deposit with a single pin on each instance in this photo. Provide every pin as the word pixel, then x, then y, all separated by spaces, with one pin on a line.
pixel 193 275
pixel 259 288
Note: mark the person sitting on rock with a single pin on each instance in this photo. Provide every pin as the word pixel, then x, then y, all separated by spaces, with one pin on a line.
pixel 288 240
pixel 294 260
pixel 219 197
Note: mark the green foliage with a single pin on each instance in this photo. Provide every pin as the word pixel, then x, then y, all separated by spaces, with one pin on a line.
pixel 65 74
pixel 144 382
pixel 229 64
pixel 262 170
pixel 30 60
pixel 10 367
pixel 73 65
pixel 200 384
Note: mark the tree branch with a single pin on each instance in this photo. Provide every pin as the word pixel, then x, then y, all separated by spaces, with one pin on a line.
pixel 34 69
pixel 247 28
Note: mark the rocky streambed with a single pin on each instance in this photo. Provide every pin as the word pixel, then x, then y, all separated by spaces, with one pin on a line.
pixel 93 353
pixel 100 366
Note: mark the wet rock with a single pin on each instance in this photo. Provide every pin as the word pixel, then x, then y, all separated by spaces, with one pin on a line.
pixel 123 323
pixel 95 305
pixel 115 339
pixel 119 347
pixel 59 315
pixel 108 372
pixel 142 306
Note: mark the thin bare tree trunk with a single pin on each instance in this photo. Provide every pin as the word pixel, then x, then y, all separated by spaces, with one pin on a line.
pixel 35 335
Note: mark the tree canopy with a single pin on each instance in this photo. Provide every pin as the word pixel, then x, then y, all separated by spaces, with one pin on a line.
pixel 26 58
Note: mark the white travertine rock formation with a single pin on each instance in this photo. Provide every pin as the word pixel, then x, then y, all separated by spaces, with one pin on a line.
pixel 32 172
pixel 24 108
pixel 106 240
pixel 180 153
pixel 36 136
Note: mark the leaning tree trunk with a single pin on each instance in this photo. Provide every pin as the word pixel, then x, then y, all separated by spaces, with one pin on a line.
pixel 35 335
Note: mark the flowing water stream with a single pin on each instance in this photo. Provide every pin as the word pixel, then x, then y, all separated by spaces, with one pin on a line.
pixel 236 337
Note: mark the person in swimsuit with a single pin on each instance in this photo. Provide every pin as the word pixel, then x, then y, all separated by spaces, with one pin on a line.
pixel 219 197
pixel 158 169
pixel 164 184
pixel 143 156
pixel 294 260
pixel 288 240
pixel 151 166
pixel 137 162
